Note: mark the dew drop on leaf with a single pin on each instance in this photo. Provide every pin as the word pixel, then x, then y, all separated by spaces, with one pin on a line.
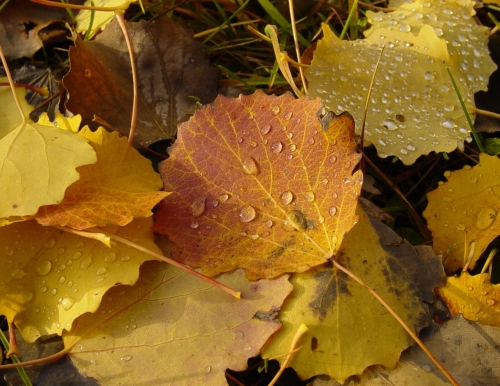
pixel 286 197
pixel 86 262
pixel 18 274
pixel 125 258
pixel 321 219
pixel 332 159
pixel 76 255
pixel 208 369
pixel 448 123
pixel 50 243
pixel 247 213
pixel 297 218
pixel 311 141
pixel 250 166
pixel 223 197
pixel 101 271
pixel 332 210
pixel 289 135
pixel 60 251
pixel 53 291
pixel 266 129
pixel 309 196
pixel 198 207
pixel 61 279
pixel 292 147
pixel 277 147
pixel 461 227
pixel 485 218
pixel 276 110
pixel 43 268
pixel 126 358
pixel 288 115
pixel 67 303
pixel 9 252
pixel 268 223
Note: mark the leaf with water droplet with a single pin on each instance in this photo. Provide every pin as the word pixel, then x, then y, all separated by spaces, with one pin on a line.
pixel 339 313
pixel 474 297
pixel 120 186
pixel 463 212
pixel 160 306
pixel 53 277
pixel 276 216
pixel 410 113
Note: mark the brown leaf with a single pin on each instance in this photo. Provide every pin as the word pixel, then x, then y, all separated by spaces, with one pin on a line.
pixel 171 71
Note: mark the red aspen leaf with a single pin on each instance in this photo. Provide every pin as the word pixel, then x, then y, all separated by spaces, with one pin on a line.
pixel 172 328
pixel 474 297
pixel 171 70
pixel 462 212
pixel 50 277
pixel 258 184
pixel 120 186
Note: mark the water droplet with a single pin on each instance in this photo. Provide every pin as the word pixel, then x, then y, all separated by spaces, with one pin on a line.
pixel 76 255
pixel 404 28
pixel 250 166
pixel 61 268
pixel 266 129
pixel 194 225
pixel 253 144
pixel 332 159
pixel 198 206
pixel 289 135
pixel 286 197
pixel 448 123
pixel 254 237
pixel 389 124
pixel 247 213
pixel 125 258
pixel 53 291
pixel 247 348
pixel 490 302
pixel 43 268
pixel 332 210
pixel 23 297
pixel 429 75
pixel 207 369
pixel 485 218
pixel 309 196
pixel 292 147
pixel 297 218
pixel 473 179
pixel 60 251
pixel 447 174
pixel 321 219
pixel 335 240
pixel 240 139
pixel 277 147
pixel 101 271
pixel 288 115
pixel 461 227
pixel 126 358
pixel 61 280
pixel 470 288
pixel 43 289
pixel 86 262
pixel 276 110
pixel 325 181
pixel 80 244
pixel 9 252
pixel 18 274
pixel 50 243
pixel 224 197
pixel 67 303
pixel 268 223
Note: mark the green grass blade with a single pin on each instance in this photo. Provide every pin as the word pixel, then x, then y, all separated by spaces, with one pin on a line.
pixel 15 359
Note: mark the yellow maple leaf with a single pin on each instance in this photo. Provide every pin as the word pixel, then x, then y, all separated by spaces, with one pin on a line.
pixel 462 213
pixel 120 186
pixel 474 297
pixel 50 277
pixel 37 163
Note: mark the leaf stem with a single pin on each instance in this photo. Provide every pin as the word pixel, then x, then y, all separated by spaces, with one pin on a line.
pixel 81 7
pixel 12 87
pixel 296 42
pixel 130 48
pixel 401 321
pixel 487 113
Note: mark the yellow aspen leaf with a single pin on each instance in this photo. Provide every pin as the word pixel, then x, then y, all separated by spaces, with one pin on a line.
pixel 261 183
pixel 120 186
pixel 474 297
pixel 346 323
pixel 462 212
pixel 50 277
pixel 171 328
pixel 37 163
pixel 62 122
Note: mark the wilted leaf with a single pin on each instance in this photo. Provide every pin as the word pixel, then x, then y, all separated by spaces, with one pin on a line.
pixel 413 107
pixel 172 328
pixel 171 70
pixel 452 22
pixel 474 297
pixel 98 20
pixel 349 329
pixel 37 163
pixel 258 184
pixel 468 350
pixel 120 186
pixel 462 213
pixel 50 277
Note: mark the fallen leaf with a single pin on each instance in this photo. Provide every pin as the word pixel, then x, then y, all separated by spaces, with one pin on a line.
pixel 171 72
pixel 122 185
pixel 258 184
pixel 474 297
pixel 467 349
pixel 349 329
pixel 452 21
pixel 50 277
pixel 37 163
pixel 172 328
pixel 95 21
pixel 462 213
pixel 413 107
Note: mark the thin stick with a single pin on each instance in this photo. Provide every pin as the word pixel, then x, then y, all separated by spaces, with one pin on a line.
pixel 487 113
pixel 130 48
pixel 492 254
pixel 12 87
pixel 401 322
pixel 471 255
pixel 296 42
pixel 209 31
pixel 295 341
pixel 111 236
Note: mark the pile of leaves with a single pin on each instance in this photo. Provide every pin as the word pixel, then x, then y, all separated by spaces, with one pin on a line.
pixel 259 191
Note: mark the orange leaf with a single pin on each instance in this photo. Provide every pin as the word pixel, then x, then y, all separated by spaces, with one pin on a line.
pixel 120 186
pixel 258 184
